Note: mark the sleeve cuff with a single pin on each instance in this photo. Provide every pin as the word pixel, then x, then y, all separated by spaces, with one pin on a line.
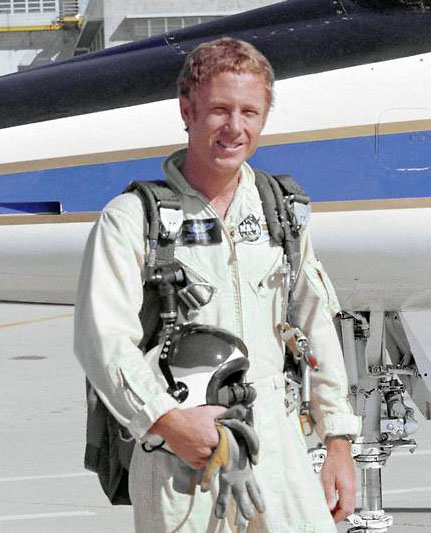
pixel 333 425
pixel 150 412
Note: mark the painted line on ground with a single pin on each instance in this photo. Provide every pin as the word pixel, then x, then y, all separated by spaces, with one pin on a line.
pixel 35 320
pixel 402 491
pixel 48 476
pixel 8 518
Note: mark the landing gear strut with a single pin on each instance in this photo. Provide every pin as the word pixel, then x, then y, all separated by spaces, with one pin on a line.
pixel 376 393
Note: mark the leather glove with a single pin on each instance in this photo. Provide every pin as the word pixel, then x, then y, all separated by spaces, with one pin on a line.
pixel 238 443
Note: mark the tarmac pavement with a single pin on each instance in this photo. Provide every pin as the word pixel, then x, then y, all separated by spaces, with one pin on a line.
pixel 43 485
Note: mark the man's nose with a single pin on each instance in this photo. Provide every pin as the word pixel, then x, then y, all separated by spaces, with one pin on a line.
pixel 234 123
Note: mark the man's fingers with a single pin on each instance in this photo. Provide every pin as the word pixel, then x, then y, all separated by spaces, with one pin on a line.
pixel 199 464
pixel 330 492
pixel 345 505
pixel 338 474
pixel 340 499
pixel 341 503
pixel 341 512
pixel 215 410
pixel 237 411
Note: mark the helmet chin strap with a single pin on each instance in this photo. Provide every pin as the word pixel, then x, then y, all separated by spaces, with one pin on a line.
pixel 177 389
pixel 167 278
pixel 221 389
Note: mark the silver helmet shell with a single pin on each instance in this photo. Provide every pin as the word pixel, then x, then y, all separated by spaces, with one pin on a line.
pixel 203 361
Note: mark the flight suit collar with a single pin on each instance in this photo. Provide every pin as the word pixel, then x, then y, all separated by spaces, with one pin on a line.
pixel 174 177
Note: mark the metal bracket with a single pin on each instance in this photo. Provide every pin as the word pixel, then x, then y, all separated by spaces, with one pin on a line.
pixel 302 214
pixel 318 457
pixel 377 521
pixel 196 295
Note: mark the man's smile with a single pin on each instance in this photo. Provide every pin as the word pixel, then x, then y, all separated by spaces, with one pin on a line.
pixel 229 145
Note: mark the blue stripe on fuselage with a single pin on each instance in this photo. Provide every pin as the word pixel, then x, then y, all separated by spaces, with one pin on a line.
pixel 359 168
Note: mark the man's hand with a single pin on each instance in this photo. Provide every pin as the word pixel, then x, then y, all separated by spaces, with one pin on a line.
pixel 338 475
pixel 190 433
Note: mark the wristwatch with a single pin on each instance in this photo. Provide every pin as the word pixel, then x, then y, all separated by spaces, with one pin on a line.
pixel 334 437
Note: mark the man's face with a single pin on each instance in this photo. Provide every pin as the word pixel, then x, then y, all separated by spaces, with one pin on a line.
pixel 224 118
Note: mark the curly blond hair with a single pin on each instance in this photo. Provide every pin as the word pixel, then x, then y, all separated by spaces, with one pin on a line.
pixel 223 55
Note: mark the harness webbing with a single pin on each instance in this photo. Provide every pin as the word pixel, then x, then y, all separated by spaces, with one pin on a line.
pixel 278 194
pixel 156 195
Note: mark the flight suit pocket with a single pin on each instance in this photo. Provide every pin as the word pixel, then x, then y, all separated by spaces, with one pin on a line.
pixel 323 286
pixel 269 293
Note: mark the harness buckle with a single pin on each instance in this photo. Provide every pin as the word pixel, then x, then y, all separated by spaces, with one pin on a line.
pixel 196 295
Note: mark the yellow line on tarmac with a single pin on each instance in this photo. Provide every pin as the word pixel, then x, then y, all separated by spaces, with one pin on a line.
pixel 43 319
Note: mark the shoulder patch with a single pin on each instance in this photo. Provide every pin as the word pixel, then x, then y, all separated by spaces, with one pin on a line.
pixel 253 229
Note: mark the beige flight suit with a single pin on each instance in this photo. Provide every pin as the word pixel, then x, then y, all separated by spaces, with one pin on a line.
pixel 248 302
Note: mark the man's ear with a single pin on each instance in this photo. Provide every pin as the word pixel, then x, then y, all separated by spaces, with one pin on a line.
pixel 186 109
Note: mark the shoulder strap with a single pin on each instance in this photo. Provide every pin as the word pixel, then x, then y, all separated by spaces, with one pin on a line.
pixel 285 206
pixel 163 217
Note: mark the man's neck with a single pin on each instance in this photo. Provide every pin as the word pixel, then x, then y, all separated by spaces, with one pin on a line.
pixel 219 188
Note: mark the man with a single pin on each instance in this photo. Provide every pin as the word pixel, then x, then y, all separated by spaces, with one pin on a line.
pixel 225 94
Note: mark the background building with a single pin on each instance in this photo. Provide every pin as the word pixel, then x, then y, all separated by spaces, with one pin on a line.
pixel 36 32
pixel 108 23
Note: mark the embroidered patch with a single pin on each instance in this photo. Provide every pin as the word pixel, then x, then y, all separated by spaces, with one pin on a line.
pixel 250 229
pixel 201 231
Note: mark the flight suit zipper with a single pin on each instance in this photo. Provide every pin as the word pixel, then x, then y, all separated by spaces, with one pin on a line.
pixel 234 273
